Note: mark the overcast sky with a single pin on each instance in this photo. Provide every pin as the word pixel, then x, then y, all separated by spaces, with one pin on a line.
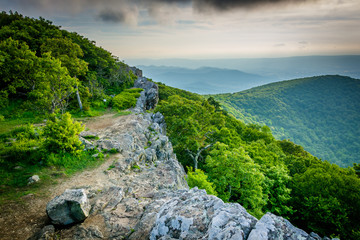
pixel 206 28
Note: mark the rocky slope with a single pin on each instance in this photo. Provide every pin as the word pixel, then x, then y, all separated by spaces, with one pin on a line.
pixel 144 195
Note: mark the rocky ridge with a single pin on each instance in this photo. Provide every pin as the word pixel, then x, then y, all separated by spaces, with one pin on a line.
pixel 145 195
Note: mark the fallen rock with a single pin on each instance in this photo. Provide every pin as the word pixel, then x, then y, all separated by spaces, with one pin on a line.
pixel 70 207
pixel 33 179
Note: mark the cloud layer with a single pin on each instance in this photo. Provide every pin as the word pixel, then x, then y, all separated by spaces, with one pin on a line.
pixel 127 11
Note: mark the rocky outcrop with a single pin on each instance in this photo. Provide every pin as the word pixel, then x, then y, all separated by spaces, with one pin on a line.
pixel 136 71
pixel 144 194
pixel 192 214
pixel 70 207
pixel 271 226
pixel 149 97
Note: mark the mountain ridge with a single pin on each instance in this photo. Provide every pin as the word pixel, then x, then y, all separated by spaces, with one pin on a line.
pixel 279 68
pixel 298 110
pixel 204 80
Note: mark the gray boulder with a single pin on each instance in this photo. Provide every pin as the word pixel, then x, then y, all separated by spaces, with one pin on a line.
pixel 108 144
pixel 195 215
pixel 271 226
pixel 70 207
pixel 87 144
pixel 159 120
pixel 33 179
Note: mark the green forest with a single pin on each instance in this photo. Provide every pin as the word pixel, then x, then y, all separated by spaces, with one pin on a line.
pixel 244 163
pixel 44 68
pixel 319 113
pixel 49 73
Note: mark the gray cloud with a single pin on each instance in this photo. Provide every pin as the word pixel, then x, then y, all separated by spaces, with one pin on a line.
pixel 225 5
pixel 112 16
pixel 279 45
pixel 126 11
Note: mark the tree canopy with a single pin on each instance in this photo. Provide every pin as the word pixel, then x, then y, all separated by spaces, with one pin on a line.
pixel 246 164
pixel 45 65
pixel 319 113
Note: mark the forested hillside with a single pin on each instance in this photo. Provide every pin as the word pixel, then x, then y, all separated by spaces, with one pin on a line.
pixel 205 80
pixel 44 68
pixel 319 113
pixel 244 163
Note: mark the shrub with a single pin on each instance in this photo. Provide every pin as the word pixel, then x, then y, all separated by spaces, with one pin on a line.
pixel 62 134
pixel 20 145
pixel 126 99
pixel 25 132
pixel 134 90
pixel 198 179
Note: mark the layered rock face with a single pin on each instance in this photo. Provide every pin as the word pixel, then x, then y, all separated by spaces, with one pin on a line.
pixel 149 97
pixel 145 195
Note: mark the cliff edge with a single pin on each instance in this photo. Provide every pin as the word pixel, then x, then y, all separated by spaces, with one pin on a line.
pixel 144 194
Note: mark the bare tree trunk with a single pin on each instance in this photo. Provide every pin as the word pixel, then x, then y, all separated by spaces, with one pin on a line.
pixel 78 98
pixel 196 157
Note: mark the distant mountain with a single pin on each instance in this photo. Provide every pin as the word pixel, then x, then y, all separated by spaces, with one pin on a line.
pixel 320 113
pixel 205 80
pixel 274 68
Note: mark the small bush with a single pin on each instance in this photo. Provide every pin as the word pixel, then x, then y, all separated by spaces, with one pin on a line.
pixel 135 166
pixel 126 99
pixel 134 90
pixel 113 151
pixel 24 132
pixel 62 135
pixel 122 113
pixel 21 145
pixel 91 137
pixel 198 179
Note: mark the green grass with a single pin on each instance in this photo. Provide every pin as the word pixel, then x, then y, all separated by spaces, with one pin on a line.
pixel 122 113
pixel 13 182
pixel 77 114
pixel 13 115
pixel 135 166
pixel 21 159
pixel 91 137
pixel 8 125
pixel 111 167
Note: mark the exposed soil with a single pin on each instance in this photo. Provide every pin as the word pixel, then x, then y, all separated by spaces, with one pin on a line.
pixel 23 218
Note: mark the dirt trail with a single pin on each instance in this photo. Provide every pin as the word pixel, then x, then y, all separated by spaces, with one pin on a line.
pixel 20 220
